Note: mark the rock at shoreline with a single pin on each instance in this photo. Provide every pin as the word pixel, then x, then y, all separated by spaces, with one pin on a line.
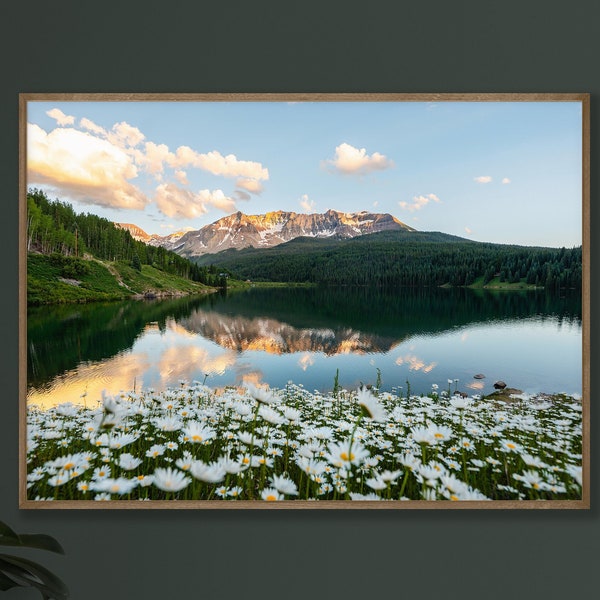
pixel 499 385
pixel 479 376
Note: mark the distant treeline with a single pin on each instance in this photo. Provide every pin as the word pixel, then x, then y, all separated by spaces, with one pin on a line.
pixel 53 227
pixel 402 258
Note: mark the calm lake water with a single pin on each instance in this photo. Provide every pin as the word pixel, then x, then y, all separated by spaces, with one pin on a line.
pixel 531 340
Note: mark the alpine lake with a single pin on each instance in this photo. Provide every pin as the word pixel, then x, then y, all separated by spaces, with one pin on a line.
pixel 406 339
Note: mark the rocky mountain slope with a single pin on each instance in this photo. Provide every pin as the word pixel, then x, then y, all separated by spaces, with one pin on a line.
pixel 271 229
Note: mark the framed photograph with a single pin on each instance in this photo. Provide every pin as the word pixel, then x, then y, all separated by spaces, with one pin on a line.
pixel 304 301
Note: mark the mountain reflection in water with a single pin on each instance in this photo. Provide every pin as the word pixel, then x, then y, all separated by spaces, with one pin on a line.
pixel 302 334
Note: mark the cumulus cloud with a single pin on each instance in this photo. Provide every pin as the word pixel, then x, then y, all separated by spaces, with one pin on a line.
pixel 351 160
pixel 217 164
pixel 125 135
pixel 94 165
pixel 179 203
pixel 250 185
pixel 306 204
pixel 91 126
pixel 60 117
pixel 219 200
pixel 153 157
pixel 418 202
pixel 181 176
pixel 469 231
pixel 84 167
pixel 506 180
pixel 483 179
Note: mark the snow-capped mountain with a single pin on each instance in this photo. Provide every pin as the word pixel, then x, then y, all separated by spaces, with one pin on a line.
pixel 264 231
pixel 137 233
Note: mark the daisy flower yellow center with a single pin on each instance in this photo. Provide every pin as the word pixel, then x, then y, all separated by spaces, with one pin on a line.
pixel 511 446
pixel 271 498
pixel 245 460
pixel 68 466
pixel 197 438
pixel 438 435
pixel 346 456
pixel 155 453
pixel 454 497
pixel 140 477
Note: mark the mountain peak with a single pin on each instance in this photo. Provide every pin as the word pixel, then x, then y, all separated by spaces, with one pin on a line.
pixel 239 230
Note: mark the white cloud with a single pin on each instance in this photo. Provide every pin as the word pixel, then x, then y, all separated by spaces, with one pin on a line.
pixel 376 203
pixel 306 204
pixel 351 160
pixel 125 135
pixel 506 180
pixel 153 157
pixel 217 164
pixel 469 231
pixel 179 203
pixel 219 200
pixel 94 165
pixel 418 202
pixel 250 185
pixel 91 126
pixel 60 117
pixel 483 179
pixel 181 176
pixel 83 167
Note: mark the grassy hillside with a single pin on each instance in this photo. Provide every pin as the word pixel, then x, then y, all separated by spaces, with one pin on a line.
pixel 52 280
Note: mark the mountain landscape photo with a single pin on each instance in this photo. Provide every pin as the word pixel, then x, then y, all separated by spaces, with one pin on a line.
pixel 304 301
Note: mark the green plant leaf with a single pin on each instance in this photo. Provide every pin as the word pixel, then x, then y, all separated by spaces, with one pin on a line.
pixel 35 540
pixel 26 573
pixel 6 583
pixel 7 532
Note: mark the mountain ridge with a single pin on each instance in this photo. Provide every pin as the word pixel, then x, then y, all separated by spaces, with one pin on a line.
pixel 239 230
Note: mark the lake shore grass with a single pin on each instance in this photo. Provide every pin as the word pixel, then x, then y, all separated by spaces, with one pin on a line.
pixel 254 443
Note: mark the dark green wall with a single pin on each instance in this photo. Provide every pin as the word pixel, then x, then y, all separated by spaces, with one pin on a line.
pixel 277 46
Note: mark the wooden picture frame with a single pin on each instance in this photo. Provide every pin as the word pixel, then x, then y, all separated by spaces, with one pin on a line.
pixel 366 407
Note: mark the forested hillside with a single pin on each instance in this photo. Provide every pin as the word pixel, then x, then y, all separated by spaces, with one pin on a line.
pixel 401 258
pixel 82 257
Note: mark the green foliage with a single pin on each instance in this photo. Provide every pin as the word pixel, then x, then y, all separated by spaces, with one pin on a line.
pixel 135 262
pixel 16 571
pixel 395 259
pixel 54 227
pixel 70 267
pixel 86 248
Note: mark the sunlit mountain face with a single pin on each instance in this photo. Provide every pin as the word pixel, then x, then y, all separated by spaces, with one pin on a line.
pixel 271 229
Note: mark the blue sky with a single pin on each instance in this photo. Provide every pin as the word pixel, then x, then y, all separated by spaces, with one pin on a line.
pixel 490 171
